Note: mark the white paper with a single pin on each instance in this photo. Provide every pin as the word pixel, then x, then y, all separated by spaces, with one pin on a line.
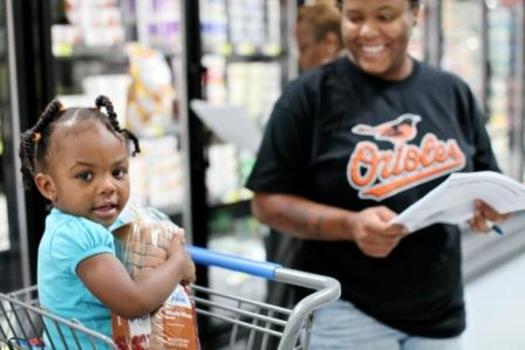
pixel 452 202
pixel 231 123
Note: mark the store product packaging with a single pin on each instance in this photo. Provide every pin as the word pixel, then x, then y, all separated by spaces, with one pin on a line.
pixel 151 95
pixel 142 244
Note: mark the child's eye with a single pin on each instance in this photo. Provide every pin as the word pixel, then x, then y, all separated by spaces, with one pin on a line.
pixel 119 173
pixel 85 176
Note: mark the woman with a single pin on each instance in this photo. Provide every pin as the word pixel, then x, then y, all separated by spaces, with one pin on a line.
pixel 349 145
pixel 318 34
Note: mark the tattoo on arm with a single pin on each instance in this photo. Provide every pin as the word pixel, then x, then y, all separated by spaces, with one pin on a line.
pixel 301 222
pixel 318 224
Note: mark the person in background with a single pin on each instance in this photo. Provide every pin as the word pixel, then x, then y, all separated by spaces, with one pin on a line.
pixel 348 146
pixel 78 160
pixel 318 34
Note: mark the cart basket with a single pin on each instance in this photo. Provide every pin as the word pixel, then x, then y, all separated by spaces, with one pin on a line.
pixel 255 323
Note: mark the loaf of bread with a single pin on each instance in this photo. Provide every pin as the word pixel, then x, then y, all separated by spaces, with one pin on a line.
pixel 143 245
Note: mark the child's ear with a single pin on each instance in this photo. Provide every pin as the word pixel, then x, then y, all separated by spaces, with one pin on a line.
pixel 46 186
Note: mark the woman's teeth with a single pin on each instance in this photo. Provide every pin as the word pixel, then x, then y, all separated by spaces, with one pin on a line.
pixel 373 49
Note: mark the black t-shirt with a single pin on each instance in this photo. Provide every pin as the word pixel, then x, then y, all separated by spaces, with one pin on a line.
pixel 341 137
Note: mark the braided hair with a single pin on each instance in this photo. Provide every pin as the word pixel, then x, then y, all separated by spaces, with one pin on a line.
pixel 103 101
pixel 35 141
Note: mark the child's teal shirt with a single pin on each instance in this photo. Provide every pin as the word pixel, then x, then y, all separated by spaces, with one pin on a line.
pixel 66 242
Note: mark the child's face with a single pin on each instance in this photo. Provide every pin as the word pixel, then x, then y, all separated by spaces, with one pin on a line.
pixel 87 171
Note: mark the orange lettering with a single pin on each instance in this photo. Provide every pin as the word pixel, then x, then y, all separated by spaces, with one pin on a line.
pixel 398 163
pixel 411 159
pixel 427 149
pixel 441 153
pixel 386 163
pixel 376 173
pixel 365 157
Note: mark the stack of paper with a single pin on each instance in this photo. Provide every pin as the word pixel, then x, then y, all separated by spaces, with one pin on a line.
pixel 452 202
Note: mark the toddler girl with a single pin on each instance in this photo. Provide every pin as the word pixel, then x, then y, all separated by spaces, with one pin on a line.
pixel 78 160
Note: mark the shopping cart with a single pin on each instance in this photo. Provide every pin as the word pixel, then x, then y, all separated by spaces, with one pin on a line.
pixel 253 324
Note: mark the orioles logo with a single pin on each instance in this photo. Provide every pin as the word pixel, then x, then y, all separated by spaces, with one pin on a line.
pixel 379 174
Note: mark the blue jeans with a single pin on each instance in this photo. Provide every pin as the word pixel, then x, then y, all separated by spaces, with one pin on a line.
pixel 340 325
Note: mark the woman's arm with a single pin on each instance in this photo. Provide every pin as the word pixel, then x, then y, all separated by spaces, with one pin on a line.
pixel 106 277
pixel 303 218
pixel 306 219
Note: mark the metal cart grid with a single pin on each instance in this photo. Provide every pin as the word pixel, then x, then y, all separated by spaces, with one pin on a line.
pixel 251 322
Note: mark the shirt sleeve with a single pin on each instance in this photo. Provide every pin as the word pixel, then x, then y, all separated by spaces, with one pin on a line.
pixel 78 240
pixel 283 158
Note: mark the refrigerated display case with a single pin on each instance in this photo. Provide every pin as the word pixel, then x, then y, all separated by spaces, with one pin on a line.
pixel 129 50
pixel 10 256
pixel 504 85
pixel 23 77
pixel 463 42
pixel 482 42
pixel 246 62
pixel 248 56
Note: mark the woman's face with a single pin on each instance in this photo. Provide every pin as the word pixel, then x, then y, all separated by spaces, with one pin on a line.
pixel 376 32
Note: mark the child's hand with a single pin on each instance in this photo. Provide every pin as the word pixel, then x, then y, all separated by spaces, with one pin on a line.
pixel 176 244
pixel 189 275
pixel 177 251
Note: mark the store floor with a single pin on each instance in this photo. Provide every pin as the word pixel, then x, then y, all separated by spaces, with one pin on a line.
pixel 496 309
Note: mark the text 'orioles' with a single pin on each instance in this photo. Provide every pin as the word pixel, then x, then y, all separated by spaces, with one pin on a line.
pixel 379 174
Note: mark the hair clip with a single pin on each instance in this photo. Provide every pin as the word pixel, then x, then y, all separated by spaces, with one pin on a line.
pixel 36 137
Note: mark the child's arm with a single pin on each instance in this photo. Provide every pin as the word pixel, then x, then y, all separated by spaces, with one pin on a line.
pixel 106 277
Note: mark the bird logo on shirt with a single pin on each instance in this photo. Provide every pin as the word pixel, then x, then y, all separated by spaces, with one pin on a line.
pixel 400 130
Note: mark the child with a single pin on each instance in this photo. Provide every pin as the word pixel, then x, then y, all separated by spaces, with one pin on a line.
pixel 78 160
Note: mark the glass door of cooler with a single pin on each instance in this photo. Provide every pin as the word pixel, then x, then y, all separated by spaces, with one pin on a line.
pixel 483 44
pixel 504 87
pixel 245 63
pixel 462 30
pixel 247 60
pixel 14 257
pixel 130 51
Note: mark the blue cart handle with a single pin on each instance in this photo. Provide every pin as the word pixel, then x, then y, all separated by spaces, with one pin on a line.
pixel 252 267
